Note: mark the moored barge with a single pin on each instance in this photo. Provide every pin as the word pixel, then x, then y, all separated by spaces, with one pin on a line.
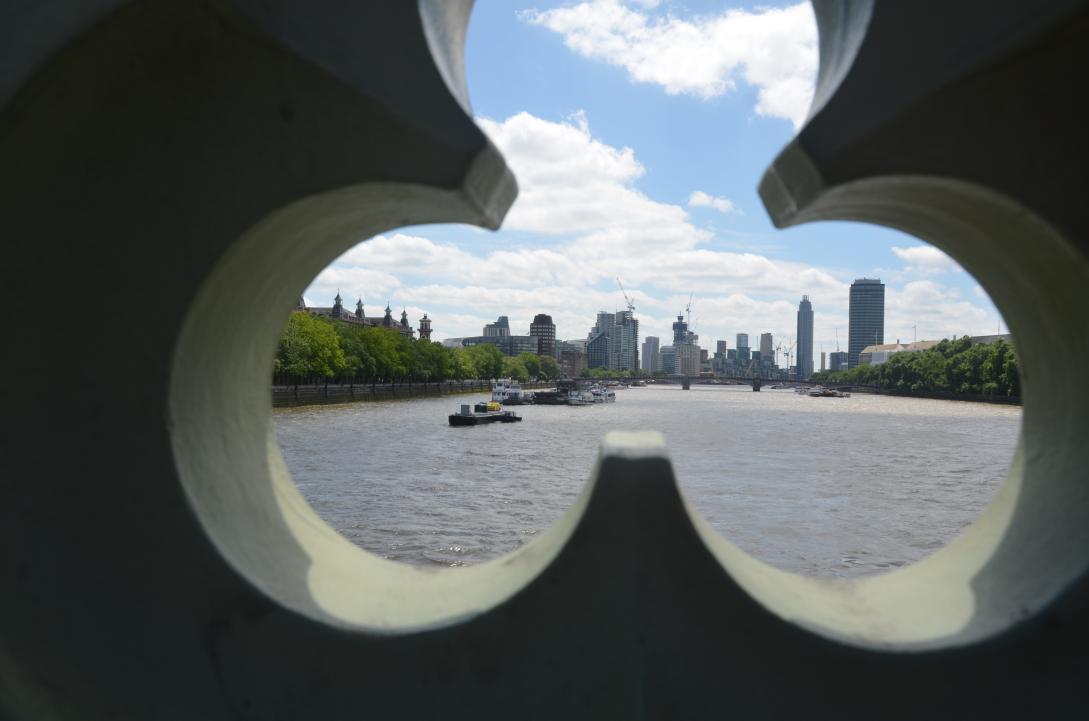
pixel 483 412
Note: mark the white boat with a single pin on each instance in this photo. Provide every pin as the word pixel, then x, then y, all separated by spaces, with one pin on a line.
pixel 510 393
pixel 602 395
pixel 579 398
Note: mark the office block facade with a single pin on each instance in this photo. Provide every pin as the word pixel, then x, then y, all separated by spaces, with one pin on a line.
pixel 867 317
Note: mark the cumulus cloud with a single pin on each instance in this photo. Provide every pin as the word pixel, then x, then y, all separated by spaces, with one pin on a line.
pixel 925 259
pixel 771 49
pixel 571 183
pixel 584 223
pixel 929 310
pixel 700 199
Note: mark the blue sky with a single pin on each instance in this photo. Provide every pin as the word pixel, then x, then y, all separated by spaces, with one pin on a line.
pixel 638 132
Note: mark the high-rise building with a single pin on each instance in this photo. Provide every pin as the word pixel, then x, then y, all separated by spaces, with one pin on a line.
pixel 599 341
pixel 500 328
pixel 867 317
pixel 621 344
pixel 767 346
pixel 669 359
pixel 823 368
pixel 805 338
pixel 744 353
pixel 688 360
pixel 625 350
pixel 680 331
pixel 837 361
pixel 720 347
pixel 597 351
pixel 650 359
pixel 544 330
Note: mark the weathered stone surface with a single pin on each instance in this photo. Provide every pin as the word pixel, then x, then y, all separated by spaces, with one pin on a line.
pixel 166 161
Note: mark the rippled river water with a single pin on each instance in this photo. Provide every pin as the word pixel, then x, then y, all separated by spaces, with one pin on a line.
pixel 822 486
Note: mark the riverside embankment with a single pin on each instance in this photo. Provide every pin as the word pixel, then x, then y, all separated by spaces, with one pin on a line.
pixel 286 395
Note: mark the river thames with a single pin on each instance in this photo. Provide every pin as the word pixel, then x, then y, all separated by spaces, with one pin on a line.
pixel 820 486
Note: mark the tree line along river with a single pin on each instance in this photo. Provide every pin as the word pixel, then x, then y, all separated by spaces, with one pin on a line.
pixel 820 486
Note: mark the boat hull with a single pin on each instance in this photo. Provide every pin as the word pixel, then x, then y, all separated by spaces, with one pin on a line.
pixel 476 419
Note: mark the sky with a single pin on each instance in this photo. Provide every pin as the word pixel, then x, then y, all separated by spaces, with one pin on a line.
pixel 638 131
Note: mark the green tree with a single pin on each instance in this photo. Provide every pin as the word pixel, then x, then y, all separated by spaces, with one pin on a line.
pixel 309 347
pixel 431 361
pixel 532 363
pixel 391 352
pixel 463 366
pixel 488 360
pixel 954 366
pixel 357 355
pixel 550 369
pixel 515 368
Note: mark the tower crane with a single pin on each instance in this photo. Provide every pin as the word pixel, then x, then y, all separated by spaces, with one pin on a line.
pixel 688 310
pixel 789 354
pixel 631 305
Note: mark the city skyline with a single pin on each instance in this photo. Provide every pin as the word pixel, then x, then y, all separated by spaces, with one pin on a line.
pixel 614 341
pixel 649 174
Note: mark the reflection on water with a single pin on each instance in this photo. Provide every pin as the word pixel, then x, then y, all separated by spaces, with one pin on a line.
pixel 821 486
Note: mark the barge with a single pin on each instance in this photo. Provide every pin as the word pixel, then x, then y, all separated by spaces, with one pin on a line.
pixel 483 412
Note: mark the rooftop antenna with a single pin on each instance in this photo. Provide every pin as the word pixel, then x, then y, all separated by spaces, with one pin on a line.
pixel 631 305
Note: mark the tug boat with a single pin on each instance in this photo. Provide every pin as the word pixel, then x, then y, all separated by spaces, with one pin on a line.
pixel 483 412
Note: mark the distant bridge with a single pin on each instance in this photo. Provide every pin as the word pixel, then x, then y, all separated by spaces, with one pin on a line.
pixel 764 382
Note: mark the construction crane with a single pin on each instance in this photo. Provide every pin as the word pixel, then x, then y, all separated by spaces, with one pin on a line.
pixel 631 305
pixel 789 353
pixel 688 310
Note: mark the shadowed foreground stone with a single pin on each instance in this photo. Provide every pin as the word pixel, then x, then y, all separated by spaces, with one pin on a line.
pixel 185 166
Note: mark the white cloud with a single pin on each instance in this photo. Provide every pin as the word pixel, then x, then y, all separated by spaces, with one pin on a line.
pixel 585 222
pixel 700 199
pixel 925 259
pixel 572 184
pixel 772 49
pixel 936 311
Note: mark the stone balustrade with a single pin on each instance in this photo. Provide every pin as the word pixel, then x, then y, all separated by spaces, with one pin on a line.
pixel 180 169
